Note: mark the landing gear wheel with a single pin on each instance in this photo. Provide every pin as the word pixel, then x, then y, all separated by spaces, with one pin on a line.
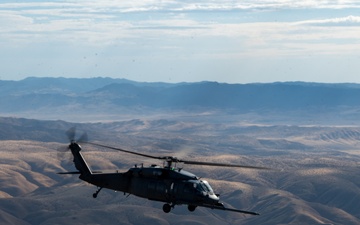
pixel 166 208
pixel 97 192
pixel 191 208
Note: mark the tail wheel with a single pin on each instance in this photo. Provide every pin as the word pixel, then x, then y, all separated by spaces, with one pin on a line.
pixel 166 208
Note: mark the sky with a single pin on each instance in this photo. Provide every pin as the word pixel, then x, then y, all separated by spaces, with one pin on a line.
pixel 174 41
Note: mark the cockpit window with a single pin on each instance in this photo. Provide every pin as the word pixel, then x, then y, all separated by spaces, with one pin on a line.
pixel 204 185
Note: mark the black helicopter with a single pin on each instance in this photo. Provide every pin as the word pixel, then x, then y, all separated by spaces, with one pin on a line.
pixel 168 184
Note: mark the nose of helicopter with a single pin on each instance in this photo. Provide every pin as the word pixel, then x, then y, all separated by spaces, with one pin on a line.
pixel 213 199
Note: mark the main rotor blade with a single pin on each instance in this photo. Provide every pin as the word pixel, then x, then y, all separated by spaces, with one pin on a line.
pixel 229 209
pixel 71 173
pixel 123 150
pixel 222 165
pixel 176 160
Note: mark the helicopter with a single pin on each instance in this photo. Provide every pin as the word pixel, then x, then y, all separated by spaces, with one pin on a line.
pixel 168 184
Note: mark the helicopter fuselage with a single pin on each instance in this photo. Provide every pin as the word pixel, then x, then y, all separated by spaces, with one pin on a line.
pixel 165 184
pixel 170 185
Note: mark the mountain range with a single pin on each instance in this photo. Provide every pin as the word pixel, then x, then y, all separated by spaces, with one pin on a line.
pixel 52 98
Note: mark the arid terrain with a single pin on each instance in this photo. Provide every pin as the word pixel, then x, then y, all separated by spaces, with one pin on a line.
pixel 315 177
pixel 308 133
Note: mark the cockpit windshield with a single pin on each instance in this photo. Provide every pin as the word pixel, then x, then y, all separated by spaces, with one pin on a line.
pixel 205 186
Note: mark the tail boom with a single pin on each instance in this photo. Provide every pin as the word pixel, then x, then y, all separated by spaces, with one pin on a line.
pixel 79 160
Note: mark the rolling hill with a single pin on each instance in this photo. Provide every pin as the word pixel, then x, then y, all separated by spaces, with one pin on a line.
pixel 307 132
pixel 315 178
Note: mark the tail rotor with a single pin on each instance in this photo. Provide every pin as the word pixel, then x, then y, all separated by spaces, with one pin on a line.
pixel 71 134
pixel 63 151
pixel 74 148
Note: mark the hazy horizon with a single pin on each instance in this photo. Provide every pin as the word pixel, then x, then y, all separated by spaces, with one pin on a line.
pixel 175 41
pixel 169 82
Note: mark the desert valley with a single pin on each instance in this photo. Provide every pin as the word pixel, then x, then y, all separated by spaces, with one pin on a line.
pixel 308 138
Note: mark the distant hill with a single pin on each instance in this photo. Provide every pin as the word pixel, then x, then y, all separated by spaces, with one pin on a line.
pixel 64 98
pixel 63 85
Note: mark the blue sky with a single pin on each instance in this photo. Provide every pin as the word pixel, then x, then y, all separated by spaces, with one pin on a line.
pixel 174 41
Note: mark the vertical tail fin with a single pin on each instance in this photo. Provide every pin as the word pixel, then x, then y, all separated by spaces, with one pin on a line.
pixel 79 160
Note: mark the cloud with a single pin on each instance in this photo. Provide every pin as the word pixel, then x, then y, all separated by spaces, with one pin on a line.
pixel 262 5
pixel 172 24
pixel 12 22
pixel 348 21
pixel 108 6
